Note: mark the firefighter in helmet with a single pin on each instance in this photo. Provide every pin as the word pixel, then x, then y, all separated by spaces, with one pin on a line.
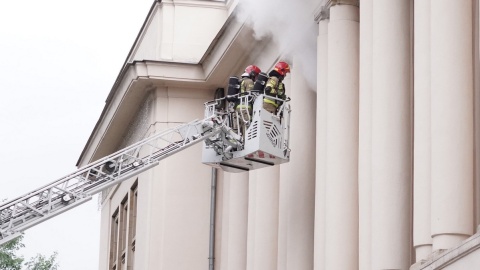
pixel 244 110
pixel 248 78
pixel 275 87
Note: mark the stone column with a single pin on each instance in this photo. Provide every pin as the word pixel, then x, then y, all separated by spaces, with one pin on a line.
pixel 234 248
pixel 263 219
pixel 342 139
pixel 321 145
pixel 452 122
pixel 284 193
pixel 297 179
pixel 391 135
pixel 252 202
pixel 422 239
pixel 365 137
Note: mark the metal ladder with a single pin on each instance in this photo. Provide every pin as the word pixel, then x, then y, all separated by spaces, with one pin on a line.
pixel 78 187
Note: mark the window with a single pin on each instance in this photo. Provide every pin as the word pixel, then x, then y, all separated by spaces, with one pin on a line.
pixel 114 241
pixel 132 225
pixel 133 215
pixel 123 230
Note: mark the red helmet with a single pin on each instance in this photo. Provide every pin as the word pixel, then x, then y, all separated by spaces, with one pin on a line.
pixel 252 71
pixel 282 68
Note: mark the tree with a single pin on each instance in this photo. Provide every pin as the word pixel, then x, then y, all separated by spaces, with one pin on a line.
pixel 40 262
pixel 9 260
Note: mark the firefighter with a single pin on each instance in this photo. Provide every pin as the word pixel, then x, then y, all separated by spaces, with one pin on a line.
pixel 275 87
pixel 244 111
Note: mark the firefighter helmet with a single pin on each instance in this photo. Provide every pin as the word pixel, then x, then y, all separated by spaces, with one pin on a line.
pixel 282 68
pixel 252 71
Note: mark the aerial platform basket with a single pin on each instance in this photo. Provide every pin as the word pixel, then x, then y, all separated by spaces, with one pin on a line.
pixel 266 142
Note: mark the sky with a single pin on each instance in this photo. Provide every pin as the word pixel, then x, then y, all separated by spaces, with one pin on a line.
pixel 58 62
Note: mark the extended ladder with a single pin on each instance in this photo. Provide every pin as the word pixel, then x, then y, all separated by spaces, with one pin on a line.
pixel 265 144
pixel 78 187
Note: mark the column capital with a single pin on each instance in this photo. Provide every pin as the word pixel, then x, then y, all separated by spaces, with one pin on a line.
pixel 323 11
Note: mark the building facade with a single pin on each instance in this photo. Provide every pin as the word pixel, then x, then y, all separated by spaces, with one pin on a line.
pixel 383 172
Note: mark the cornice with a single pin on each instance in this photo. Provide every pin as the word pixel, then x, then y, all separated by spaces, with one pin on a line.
pixel 195 3
pixel 323 11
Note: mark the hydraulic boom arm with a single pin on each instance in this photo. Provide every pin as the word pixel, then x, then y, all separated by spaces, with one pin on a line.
pixel 264 144
pixel 78 187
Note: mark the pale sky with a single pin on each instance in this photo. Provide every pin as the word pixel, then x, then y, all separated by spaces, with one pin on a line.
pixel 58 62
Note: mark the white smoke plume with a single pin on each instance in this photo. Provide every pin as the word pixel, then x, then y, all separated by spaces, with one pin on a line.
pixel 291 25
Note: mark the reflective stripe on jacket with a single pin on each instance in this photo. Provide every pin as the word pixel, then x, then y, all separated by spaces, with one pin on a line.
pixel 274 88
pixel 246 85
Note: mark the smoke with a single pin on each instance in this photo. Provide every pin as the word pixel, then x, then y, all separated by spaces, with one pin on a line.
pixel 291 25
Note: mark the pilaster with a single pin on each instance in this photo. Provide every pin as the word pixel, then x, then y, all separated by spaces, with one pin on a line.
pixel 365 137
pixel 391 135
pixel 422 240
pixel 342 139
pixel 321 145
pixel 452 123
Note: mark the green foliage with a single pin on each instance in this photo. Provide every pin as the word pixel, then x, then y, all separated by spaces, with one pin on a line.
pixel 40 262
pixel 10 261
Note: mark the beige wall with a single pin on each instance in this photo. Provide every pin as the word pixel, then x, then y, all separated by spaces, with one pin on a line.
pixel 174 197
pixel 180 31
